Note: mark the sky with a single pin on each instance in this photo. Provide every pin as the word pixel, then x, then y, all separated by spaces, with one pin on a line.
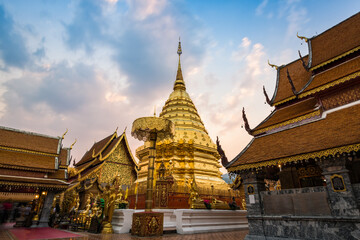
pixel 92 66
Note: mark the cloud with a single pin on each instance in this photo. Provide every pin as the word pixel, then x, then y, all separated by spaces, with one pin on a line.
pixel 87 27
pixel 260 9
pixel 141 10
pixel 13 51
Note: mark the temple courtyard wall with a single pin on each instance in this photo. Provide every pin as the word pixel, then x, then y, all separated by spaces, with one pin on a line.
pixel 187 221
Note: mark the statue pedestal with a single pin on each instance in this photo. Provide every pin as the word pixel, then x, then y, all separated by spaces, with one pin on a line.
pixel 147 224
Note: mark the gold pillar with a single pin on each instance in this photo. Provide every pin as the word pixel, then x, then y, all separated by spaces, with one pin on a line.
pixel 150 177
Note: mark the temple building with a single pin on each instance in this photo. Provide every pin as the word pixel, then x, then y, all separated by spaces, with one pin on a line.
pixel 309 145
pixel 190 156
pixel 33 167
pixel 106 159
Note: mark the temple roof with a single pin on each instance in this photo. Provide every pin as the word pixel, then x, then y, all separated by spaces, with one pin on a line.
pixel 337 131
pixel 336 42
pixel 31 151
pixel 334 76
pixel 96 149
pixel 102 150
pixel 299 76
pixel 180 109
pixel 291 114
pixel 43 183
pixel 13 138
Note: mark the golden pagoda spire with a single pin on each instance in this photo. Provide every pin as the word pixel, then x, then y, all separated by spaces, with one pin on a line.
pixel 179 82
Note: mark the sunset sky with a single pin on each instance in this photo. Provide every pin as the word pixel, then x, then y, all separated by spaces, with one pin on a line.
pixel 93 66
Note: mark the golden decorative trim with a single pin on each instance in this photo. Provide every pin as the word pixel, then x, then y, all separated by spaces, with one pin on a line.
pixel 275 162
pixel 28 168
pixel 335 58
pixel 42 185
pixel 28 151
pixel 342 180
pixel 285 100
pixel 294 120
pixel 102 158
pixel 331 84
pixel 105 146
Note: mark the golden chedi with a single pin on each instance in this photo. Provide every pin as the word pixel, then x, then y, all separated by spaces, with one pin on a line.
pixel 190 154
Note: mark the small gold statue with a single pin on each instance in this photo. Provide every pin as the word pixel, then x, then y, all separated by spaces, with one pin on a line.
pixel 195 201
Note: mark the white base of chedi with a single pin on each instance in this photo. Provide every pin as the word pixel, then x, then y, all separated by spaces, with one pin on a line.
pixel 187 221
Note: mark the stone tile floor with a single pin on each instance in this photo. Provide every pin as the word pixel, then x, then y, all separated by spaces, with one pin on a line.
pixel 238 235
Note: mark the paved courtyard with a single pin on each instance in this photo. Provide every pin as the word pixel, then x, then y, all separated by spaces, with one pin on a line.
pixel 8 234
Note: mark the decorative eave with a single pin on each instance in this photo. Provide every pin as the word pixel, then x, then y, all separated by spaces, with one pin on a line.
pixel 28 151
pixel 37 182
pixel 329 85
pixel 27 168
pixel 335 58
pixel 296 158
pixel 291 121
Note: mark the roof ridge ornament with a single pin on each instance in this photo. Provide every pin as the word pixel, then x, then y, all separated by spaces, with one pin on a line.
pixel 273 65
pixel 62 137
pixel 246 123
pixel 302 37
pixel 224 160
pixel 266 96
pixel 291 83
pixel 303 62
pixel 72 145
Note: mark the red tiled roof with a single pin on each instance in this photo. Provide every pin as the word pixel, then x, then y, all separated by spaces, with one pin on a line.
pixel 299 77
pixel 335 41
pixel 338 129
pixel 289 112
pixel 21 159
pixel 30 141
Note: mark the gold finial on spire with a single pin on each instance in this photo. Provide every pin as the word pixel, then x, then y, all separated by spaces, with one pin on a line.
pixel 62 137
pixel 179 83
pixel 179 48
pixel 301 37
pixel 125 129
pixel 272 65
pixel 72 145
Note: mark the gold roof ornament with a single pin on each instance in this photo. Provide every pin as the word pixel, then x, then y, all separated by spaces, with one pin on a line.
pixel 273 65
pixel 72 145
pixel 302 37
pixel 62 137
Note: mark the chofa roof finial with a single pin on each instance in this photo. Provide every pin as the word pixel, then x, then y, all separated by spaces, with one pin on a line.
pixel 302 37
pixel 72 145
pixel 272 65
